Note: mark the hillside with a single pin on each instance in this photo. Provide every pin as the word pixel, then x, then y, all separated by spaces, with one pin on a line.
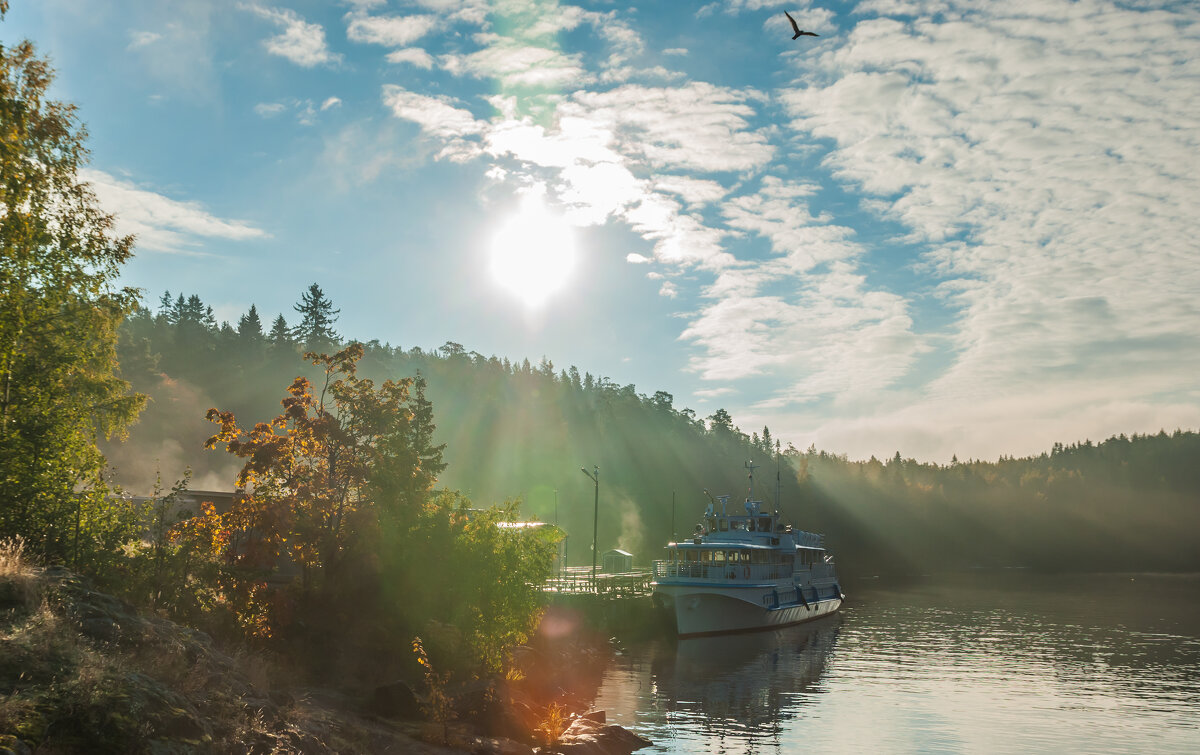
pixel 83 671
pixel 523 431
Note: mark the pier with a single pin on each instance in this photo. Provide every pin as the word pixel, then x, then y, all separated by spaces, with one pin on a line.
pixel 578 580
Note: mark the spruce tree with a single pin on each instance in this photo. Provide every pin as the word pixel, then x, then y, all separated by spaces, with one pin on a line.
pixel 280 335
pixel 315 331
pixel 249 327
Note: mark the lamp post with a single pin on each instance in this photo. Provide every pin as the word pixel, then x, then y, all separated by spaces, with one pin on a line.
pixel 595 516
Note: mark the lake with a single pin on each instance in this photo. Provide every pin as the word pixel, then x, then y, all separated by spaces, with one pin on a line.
pixel 993 662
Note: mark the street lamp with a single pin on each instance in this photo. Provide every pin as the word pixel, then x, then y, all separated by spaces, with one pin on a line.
pixel 595 516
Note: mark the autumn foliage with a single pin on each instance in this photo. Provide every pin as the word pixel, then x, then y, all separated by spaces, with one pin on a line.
pixel 318 480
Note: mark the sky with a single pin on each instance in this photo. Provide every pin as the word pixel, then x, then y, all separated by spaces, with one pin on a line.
pixel 954 227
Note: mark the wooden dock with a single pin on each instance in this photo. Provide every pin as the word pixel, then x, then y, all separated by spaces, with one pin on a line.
pixel 577 580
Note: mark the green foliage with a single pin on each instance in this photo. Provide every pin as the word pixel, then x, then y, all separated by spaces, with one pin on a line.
pixel 59 314
pixel 439 704
pixel 318 478
pixel 516 429
pixel 460 568
pixel 170 568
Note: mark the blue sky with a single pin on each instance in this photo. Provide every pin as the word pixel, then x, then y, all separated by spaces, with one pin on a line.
pixel 944 227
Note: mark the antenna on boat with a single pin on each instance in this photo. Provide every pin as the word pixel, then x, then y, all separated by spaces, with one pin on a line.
pixel 751 466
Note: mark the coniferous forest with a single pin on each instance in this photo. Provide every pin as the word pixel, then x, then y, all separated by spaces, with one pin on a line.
pixel 522 431
pixel 187 503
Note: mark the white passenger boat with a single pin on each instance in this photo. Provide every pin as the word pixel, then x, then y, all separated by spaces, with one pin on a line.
pixel 744 570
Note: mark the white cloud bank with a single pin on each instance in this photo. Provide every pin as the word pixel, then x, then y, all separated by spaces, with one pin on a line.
pixel 160 223
pixel 1047 156
pixel 1044 160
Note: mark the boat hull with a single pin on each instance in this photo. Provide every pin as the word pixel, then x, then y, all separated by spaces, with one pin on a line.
pixel 700 613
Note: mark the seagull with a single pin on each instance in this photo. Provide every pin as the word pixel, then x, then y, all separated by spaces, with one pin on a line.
pixel 799 33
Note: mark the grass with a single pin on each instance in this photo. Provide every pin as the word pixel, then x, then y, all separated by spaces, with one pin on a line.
pixel 158 687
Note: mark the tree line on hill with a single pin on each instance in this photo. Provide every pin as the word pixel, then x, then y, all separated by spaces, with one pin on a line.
pixel 523 430
pixel 340 483
pixel 384 511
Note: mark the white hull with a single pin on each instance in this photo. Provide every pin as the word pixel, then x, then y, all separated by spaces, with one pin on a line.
pixel 721 610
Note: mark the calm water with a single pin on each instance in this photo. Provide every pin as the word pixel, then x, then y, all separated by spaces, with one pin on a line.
pixel 991 663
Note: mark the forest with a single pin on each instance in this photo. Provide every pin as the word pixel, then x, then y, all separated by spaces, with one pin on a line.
pixel 358 464
pixel 522 431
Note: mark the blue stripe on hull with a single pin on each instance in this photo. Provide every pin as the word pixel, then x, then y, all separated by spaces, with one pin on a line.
pixel 705 614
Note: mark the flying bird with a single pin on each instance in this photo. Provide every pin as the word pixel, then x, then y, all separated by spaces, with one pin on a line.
pixel 796 28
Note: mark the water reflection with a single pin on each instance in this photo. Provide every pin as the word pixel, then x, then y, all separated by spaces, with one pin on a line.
pixel 977 663
pixel 732 692
pixel 745 685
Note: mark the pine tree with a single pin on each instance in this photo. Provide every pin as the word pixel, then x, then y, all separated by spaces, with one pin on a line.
pixel 249 327
pixel 315 331
pixel 164 308
pixel 280 335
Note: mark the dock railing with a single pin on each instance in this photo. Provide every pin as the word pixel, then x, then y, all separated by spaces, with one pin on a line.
pixel 578 579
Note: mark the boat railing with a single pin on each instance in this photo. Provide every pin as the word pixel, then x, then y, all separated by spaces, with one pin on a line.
pixel 822 571
pixel 719 572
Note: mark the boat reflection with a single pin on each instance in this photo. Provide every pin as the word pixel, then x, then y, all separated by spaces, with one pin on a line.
pixel 738 690
pixel 748 683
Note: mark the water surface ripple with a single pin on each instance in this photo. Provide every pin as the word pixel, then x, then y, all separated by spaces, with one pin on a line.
pixel 1006 662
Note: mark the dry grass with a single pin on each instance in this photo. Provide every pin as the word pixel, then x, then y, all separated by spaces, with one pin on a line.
pixel 12 556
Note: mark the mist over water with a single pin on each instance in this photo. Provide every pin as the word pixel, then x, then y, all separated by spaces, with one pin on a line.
pixel 991 662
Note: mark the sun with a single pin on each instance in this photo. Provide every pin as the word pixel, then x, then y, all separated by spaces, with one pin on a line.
pixel 533 253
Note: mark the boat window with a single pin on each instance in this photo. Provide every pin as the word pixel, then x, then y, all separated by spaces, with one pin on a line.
pixel 764 525
pixel 719 557
pixel 724 525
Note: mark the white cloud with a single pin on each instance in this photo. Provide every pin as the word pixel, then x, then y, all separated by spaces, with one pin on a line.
pixel 306 111
pixel 414 56
pixel 438 117
pixel 139 39
pixel 833 336
pixel 681 51
pixel 161 223
pixel 697 191
pixel 269 109
pixel 1040 155
pixel 301 42
pixel 390 31
pixel 518 65
pixel 698 126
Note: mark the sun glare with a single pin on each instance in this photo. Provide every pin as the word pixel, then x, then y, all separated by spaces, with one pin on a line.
pixel 533 253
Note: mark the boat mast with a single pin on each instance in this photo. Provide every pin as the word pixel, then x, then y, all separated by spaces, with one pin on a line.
pixel 751 466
